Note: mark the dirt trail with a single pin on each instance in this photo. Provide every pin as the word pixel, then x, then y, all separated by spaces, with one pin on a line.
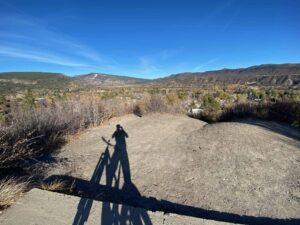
pixel 230 167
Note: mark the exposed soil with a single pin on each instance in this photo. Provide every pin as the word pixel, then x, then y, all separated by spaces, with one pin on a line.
pixel 233 167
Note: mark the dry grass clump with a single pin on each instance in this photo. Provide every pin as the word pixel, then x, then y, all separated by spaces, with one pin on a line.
pixel 118 107
pixel 56 185
pixel 158 103
pixel 11 189
pixel 31 134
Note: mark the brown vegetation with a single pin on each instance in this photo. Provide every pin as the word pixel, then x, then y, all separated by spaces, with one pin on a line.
pixel 55 185
pixel 10 190
pixel 288 112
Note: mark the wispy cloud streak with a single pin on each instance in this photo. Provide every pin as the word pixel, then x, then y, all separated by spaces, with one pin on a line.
pixel 151 64
pixel 30 38
pixel 205 64
pixel 38 56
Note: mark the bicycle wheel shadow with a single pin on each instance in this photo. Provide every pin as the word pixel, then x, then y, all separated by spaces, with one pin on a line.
pixel 114 170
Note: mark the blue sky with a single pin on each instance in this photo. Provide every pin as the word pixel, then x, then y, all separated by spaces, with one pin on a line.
pixel 146 38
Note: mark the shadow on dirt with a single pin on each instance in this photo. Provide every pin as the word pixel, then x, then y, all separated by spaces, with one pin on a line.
pixel 277 127
pixel 114 168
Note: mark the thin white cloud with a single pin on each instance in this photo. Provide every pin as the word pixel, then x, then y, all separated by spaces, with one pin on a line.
pixel 39 57
pixel 218 9
pixel 77 49
pixel 15 20
pixel 12 36
pixel 205 64
pixel 168 54
pixel 151 64
pixel 18 29
pixel 147 65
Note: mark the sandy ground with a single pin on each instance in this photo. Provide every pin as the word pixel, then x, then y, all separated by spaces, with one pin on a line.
pixel 230 167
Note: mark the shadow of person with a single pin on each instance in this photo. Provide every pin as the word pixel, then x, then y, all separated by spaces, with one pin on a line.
pixel 117 176
pixel 85 204
pixel 119 188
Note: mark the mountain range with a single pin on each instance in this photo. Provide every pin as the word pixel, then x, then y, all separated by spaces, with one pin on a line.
pixel 265 75
pixel 268 75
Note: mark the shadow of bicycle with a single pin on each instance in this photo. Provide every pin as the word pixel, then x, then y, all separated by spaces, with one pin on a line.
pixel 114 169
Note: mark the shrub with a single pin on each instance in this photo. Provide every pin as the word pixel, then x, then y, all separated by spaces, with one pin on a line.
pixel 2 99
pixel 138 110
pixel 241 98
pixel 182 95
pixel 108 95
pixel 211 109
pixel 209 103
pixel 222 95
pixel 156 103
pixel 288 112
pixel 172 98
pixel 28 100
pixel 35 132
pixel 31 134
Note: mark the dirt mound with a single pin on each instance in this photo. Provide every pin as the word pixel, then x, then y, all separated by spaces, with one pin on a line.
pixel 233 167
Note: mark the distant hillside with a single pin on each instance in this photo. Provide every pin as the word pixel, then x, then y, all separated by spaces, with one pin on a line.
pixel 266 75
pixel 18 81
pixel 281 74
pixel 31 75
pixel 100 79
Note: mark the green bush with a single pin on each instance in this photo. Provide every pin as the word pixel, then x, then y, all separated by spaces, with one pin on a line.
pixel 2 99
pixel 28 100
pixel 222 95
pixel 211 109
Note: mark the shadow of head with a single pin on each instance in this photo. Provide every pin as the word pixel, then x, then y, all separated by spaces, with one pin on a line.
pixel 119 135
